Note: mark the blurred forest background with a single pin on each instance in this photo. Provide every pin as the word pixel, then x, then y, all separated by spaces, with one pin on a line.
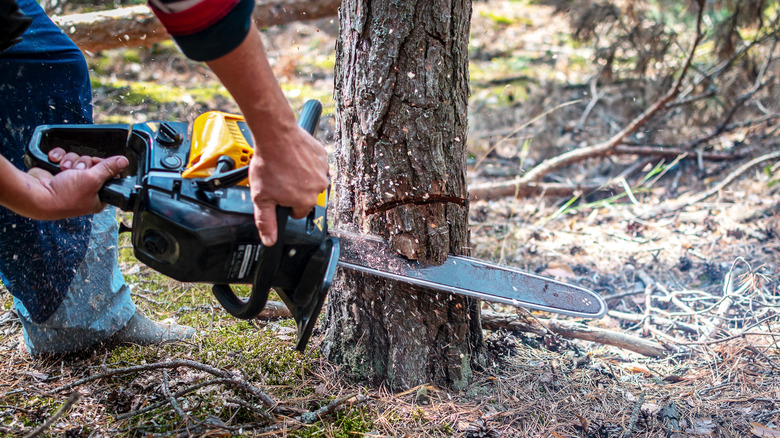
pixel 626 146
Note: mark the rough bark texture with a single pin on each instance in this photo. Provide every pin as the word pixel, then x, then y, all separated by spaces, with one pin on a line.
pixel 137 26
pixel 402 93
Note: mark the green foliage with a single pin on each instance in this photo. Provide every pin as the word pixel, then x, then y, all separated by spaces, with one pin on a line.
pixel 771 172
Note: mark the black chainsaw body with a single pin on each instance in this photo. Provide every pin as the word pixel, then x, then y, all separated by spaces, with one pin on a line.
pixel 202 229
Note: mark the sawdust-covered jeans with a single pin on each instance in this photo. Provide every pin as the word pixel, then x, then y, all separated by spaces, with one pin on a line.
pixel 67 287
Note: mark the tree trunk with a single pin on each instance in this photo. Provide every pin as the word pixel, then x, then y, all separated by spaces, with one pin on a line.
pixel 402 93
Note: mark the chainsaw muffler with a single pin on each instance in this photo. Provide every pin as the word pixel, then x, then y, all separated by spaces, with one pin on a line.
pixel 193 216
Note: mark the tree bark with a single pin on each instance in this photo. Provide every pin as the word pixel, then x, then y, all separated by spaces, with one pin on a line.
pixel 401 100
pixel 137 26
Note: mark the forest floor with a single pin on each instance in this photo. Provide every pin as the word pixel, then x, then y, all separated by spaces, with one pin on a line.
pixel 693 284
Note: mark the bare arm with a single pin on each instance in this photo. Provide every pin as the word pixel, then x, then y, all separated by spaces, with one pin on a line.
pixel 73 192
pixel 290 167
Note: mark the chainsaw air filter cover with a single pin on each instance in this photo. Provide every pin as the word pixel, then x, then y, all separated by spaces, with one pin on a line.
pixel 193 216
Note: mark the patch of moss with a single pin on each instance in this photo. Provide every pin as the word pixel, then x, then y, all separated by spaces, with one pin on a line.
pixel 347 424
pixel 131 55
pixel 257 352
pixel 32 410
pixel 151 94
pixel 326 63
pixel 298 94
pixel 504 20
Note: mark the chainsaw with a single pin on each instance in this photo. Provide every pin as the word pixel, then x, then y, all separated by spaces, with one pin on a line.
pixel 193 220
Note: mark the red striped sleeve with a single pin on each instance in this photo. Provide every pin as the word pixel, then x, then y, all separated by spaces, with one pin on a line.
pixel 190 16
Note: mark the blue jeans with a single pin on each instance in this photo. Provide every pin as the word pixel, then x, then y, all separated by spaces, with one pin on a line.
pixel 67 287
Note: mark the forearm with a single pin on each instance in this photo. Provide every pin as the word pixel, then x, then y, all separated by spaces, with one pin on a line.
pixel 37 194
pixel 247 75
pixel 19 192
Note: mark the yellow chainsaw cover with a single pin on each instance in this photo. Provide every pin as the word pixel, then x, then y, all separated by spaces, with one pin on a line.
pixel 215 134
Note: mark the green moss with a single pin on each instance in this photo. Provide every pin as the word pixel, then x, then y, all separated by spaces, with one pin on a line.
pixel 298 94
pixel 347 424
pixel 327 63
pixel 32 410
pixel 131 55
pixel 152 94
pixel 259 353
pixel 505 20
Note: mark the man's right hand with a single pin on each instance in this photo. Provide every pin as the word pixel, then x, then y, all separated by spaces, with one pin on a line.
pixel 290 171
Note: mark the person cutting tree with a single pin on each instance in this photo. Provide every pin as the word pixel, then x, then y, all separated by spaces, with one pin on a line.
pixel 58 245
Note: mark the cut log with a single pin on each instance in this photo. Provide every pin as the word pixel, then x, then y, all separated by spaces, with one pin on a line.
pixel 137 26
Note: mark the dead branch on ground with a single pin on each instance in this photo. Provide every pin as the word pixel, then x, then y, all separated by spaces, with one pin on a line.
pixel 731 177
pixel 573 330
pixel 193 426
pixel 228 377
pixel 72 400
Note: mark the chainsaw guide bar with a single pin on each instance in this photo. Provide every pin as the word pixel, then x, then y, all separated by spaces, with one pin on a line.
pixel 470 277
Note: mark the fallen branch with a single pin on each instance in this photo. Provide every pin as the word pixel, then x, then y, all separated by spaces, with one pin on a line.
pixel 513 187
pixel 674 152
pixel 607 337
pixel 629 432
pixel 172 400
pixel 505 189
pixel 726 181
pixel 314 416
pixel 137 26
pixel 274 310
pixel 574 330
pixel 725 306
pixel 153 406
pixel 495 321
pixel 660 320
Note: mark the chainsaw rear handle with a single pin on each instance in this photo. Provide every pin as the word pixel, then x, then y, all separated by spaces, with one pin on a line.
pixel 271 257
pixel 109 140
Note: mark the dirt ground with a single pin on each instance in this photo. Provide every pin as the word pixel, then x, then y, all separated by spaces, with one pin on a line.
pixel 691 283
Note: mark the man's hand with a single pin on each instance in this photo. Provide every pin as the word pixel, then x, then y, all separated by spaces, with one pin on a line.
pixel 73 192
pixel 291 173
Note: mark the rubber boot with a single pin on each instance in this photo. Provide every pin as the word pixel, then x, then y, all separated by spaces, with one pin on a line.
pixel 141 330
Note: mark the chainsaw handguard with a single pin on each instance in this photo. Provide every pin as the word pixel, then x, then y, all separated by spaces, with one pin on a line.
pixel 198 226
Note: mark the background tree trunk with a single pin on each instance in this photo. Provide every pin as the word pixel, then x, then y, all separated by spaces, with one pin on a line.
pixel 401 97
